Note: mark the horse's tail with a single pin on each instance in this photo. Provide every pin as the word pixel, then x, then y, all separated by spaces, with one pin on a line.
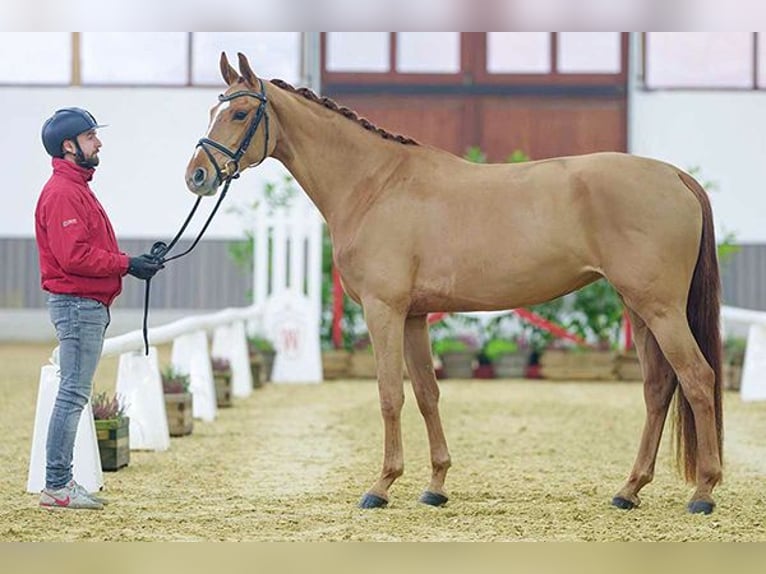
pixel 703 309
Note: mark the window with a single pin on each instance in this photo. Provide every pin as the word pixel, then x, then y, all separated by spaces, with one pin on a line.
pixel 358 51
pixel 428 52
pixel 699 59
pixel 518 52
pixel 157 58
pixel 35 57
pixel 589 52
pixel 271 54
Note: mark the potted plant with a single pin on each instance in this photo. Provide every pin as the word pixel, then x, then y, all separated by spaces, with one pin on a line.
pixel 509 357
pixel 506 348
pixel 262 353
pixel 112 431
pixel 734 358
pixel 222 378
pixel 178 401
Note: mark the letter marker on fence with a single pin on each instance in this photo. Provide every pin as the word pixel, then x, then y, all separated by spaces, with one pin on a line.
pixel 140 386
pixel 86 464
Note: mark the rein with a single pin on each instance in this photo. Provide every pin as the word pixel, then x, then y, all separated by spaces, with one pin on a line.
pixel 160 249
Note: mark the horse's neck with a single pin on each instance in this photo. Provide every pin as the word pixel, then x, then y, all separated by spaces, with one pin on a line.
pixel 333 158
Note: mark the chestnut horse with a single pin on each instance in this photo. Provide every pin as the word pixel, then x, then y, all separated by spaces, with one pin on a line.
pixel 417 230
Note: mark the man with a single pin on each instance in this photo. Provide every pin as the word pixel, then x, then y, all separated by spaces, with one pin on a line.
pixel 81 267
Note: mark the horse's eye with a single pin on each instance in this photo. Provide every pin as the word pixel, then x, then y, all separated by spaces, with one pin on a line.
pixel 240 115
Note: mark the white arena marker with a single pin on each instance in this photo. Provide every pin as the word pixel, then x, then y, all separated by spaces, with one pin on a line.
pixel 140 387
pixel 753 387
pixel 230 342
pixel 86 464
pixel 190 356
pixel 292 326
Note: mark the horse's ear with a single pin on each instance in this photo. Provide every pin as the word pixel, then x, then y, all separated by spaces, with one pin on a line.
pixel 229 74
pixel 246 70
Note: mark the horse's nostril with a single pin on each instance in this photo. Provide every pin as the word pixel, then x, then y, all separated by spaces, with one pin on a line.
pixel 199 176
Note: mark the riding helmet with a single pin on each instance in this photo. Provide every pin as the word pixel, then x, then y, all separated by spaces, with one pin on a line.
pixel 66 124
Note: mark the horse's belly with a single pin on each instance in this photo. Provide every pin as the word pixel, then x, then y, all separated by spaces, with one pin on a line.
pixel 497 288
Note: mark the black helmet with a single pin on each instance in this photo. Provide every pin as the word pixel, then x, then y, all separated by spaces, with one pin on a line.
pixel 66 124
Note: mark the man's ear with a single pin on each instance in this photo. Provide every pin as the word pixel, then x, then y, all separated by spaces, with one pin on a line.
pixel 69 147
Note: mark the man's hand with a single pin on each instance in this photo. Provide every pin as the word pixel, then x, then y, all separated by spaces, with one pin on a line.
pixel 144 266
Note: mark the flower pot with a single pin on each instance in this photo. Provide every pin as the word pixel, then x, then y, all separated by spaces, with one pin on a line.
pixel 113 442
pixel 268 364
pixel 511 365
pixel 222 381
pixel 178 407
pixel 458 364
pixel 256 371
pixel 486 371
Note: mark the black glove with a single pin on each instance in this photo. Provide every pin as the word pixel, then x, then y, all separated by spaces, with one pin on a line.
pixel 144 266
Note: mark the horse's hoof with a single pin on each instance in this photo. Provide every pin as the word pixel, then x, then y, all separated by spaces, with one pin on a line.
pixel 700 507
pixel 433 498
pixel 370 500
pixel 623 503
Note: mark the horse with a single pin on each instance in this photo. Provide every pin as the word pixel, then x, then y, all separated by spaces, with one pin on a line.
pixel 417 230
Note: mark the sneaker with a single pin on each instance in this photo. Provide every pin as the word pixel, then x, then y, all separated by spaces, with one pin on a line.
pixel 68 496
pixel 93 496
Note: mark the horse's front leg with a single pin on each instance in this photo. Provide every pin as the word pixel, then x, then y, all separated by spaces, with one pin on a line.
pixel 417 353
pixel 386 327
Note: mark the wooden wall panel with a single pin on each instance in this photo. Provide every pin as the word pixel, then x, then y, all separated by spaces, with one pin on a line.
pixel 441 122
pixel 541 127
pixel 545 128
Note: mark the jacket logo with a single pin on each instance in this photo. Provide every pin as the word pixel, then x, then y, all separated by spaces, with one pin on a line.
pixel 69 222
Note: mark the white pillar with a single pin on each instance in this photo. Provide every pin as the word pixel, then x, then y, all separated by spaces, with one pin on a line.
pixel 140 386
pixel 753 386
pixel 190 356
pixel 86 464
pixel 230 342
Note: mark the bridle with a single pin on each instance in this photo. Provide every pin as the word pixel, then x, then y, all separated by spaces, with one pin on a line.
pixel 160 249
pixel 234 156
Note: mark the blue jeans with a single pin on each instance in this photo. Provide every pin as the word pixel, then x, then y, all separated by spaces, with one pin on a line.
pixel 80 326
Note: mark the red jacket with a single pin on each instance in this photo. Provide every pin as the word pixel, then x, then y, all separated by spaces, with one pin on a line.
pixel 78 251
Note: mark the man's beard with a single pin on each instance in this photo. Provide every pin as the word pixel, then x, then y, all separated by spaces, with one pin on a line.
pixel 87 163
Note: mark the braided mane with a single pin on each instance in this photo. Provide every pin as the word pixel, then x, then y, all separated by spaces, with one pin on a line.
pixel 345 112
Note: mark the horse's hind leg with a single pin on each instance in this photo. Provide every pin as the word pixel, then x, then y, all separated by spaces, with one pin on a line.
pixel 417 353
pixel 659 384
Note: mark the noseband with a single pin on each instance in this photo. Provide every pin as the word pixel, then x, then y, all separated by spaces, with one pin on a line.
pixel 234 156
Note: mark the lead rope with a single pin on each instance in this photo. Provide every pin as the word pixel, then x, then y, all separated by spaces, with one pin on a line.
pixel 160 250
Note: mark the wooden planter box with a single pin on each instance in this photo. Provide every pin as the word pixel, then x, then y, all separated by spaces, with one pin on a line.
pixel 267 364
pixel 362 365
pixel 222 381
pixel 512 366
pixel 113 443
pixel 567 365
pixel 256 371
pixel 178 407
pixel 336 364
pixel 627 367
